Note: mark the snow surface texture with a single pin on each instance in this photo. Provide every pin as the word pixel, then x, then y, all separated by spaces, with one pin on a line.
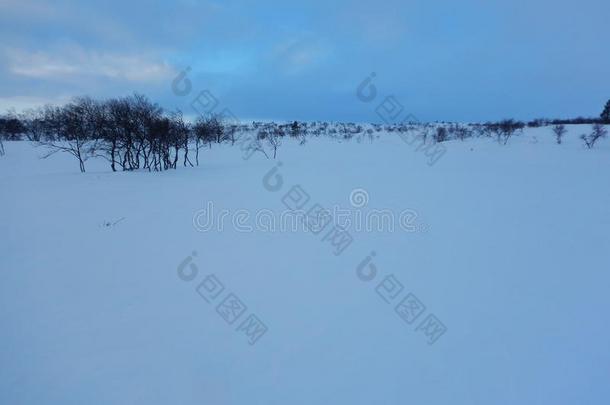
pixel 510 253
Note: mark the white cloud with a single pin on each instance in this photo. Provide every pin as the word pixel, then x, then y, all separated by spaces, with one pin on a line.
pixel 71 62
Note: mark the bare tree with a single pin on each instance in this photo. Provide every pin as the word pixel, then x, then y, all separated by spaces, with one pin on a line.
pixel 598 133
pixel 159 129
pixel 504 130
pixel 255 144
pixel 201 136
pixel 216 129
pixel 274 139
pixel 117 129
pixel 180 132
pixel 134 134
pixel 143 114
pixel 559 130
pixel 34 124
pixel 70 130
pixel 206 130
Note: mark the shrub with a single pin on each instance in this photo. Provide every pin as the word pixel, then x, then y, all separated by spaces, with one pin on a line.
pixel 559 130
pixel 440 135
pixel 598 133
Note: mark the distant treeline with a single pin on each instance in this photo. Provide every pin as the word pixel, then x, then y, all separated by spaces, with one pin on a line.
pixel 134 133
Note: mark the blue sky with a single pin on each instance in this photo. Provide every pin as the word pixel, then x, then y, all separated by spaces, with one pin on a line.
pixel 464 60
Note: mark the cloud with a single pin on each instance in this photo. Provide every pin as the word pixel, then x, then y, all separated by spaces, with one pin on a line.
pixel 74 62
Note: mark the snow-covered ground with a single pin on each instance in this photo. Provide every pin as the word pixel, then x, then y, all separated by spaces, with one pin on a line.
pixel 102 301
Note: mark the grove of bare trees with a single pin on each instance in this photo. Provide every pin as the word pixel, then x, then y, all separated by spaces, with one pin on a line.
pixel 131 133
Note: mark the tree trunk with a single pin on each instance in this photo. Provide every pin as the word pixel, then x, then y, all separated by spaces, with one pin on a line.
pixel 112 155
pixel 197 151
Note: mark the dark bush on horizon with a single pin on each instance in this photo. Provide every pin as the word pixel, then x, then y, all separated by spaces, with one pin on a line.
pixel 605 115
